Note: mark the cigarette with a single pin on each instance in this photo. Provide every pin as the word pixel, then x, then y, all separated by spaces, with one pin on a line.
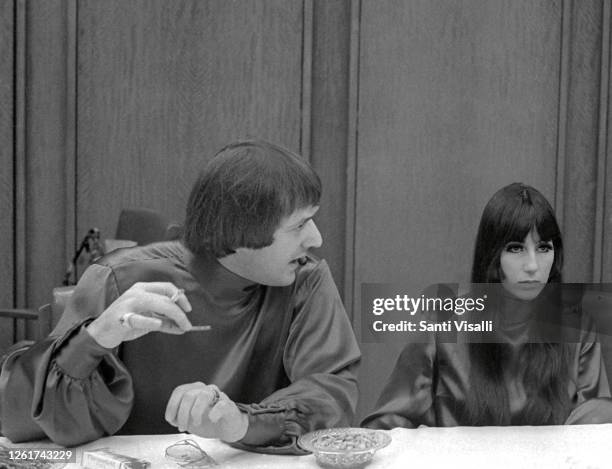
pixel 164 318
pixel 199 328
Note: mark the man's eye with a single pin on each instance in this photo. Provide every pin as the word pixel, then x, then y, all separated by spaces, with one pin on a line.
pixel 514 247
pixel 303 224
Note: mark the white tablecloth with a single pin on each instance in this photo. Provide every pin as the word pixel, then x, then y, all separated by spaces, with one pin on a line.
pixel 560 447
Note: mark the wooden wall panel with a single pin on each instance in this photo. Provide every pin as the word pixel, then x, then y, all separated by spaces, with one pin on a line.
pixel 46 149
pixel 605 152
pixel 162 84
pixel 19 152
pixel 6 162
pixel 456 99
pixel 606 261
pixel 330 125
pixel 469 104
pixel 6 148
pixel 577 206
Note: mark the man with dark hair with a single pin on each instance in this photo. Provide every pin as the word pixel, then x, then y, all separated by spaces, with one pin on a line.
pixel 272 355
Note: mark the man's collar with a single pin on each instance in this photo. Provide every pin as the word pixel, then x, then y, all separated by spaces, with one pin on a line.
pixel 224 286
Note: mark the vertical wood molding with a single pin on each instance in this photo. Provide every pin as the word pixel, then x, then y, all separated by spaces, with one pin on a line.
pixel 329 126
pixel 7 173
pixel 20 154
pixel 564 73
pixel 605 165
pixel 602 149
pixel 351 161
pixel 50 152
pixel 306 96
pixel 606 260
pixel 583 139
pixel 71 127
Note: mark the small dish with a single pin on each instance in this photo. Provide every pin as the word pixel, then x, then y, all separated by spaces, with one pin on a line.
pixel 344 447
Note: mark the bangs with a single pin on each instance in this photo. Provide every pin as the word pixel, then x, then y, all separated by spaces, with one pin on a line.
pixel 299 189
pixel 525 218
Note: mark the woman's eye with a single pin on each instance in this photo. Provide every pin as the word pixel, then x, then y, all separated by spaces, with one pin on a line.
pixel 514 247
pixel 545 247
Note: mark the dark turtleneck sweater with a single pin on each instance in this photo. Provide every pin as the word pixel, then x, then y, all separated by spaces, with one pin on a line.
pixel 286 355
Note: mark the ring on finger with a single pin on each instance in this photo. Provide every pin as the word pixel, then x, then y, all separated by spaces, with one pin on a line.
pixel 215 398
pixel 125 320
pixel 174 298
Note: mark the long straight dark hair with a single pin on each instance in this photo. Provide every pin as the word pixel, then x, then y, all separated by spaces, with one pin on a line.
pixel 511 214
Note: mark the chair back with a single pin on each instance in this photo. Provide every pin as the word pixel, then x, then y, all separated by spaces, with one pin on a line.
pixel 142 225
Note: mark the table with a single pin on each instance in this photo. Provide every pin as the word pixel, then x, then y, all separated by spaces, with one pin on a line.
pixel 558 447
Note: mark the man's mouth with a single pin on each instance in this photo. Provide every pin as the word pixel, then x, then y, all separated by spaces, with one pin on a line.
pixel 303 260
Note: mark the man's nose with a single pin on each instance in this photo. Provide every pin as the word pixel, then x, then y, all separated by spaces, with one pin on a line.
pixel 313 237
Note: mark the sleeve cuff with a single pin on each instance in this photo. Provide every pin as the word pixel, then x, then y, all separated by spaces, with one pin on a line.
pixel 80 355
pixel 264 429
pixel 269 431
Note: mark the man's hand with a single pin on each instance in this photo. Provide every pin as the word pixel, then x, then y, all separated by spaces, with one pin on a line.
pixel 206 411
pixel 143 308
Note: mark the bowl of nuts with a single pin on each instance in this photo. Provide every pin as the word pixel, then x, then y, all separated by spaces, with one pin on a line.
pixel 344 447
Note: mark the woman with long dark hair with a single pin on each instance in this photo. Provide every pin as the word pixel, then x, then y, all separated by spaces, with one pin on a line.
pixel 514 378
